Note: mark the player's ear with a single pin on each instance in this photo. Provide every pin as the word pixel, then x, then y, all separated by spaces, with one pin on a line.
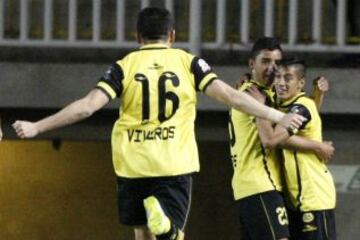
pixel 251 63
pixel 302 83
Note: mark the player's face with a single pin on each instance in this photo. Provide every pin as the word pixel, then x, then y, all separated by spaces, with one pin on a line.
pixel 264 65
pixel 288 83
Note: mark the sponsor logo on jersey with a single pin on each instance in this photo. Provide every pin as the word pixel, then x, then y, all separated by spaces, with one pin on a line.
pixel 308 217
pixel 155 66
pixel 309 228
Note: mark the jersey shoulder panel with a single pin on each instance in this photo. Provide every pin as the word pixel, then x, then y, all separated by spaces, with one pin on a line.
pixel 111 81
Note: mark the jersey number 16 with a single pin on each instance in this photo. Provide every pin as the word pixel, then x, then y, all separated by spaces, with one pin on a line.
pixel 163 95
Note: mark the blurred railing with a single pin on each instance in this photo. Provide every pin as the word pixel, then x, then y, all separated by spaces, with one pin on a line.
pixel 307 25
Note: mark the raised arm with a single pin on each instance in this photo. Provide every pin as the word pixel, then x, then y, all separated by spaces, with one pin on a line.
pixel 222 92
pixel 321 86
pixel 74 112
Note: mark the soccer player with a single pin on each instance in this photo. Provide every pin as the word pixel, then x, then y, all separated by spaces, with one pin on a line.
pixel 257 182
pixel 310 186
pixel 153 142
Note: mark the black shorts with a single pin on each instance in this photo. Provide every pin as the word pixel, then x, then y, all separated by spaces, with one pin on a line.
pixel 263 217
pixel 319 225
pixel 173 193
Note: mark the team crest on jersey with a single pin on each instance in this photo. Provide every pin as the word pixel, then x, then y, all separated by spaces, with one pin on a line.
pixel 308 217
pixel 204 66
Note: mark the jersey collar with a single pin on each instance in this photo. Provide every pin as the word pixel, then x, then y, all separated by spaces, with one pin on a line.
pixel 290 101
pixel 154 46
pixel 260 85
pixel 268 91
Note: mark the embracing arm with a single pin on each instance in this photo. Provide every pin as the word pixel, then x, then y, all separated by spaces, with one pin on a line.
pixel 241 101
pixel 271 137
pixel 74 112
pixel 324 150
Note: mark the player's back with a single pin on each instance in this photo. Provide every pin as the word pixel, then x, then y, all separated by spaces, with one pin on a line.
pixel 157 84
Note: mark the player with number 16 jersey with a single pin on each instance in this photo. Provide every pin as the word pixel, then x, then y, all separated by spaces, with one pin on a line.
pixel 152 83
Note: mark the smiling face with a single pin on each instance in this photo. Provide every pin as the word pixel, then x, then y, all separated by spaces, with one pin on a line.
pixel 289 81
pixel 264 65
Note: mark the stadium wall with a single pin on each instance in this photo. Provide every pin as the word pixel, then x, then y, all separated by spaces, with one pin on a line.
pixel 52 85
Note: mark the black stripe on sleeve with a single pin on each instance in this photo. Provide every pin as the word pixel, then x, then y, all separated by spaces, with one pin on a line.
pixel 303 111
pixel 113 77
pixel 200 69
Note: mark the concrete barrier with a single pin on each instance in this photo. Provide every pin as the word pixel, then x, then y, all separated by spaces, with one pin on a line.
pixel 53 85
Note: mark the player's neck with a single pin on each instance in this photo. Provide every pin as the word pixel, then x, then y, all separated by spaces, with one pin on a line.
pixel 160 41
pixel 262 82
pixel 168 40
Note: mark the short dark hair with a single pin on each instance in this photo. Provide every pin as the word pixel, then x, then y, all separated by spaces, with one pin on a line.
pixel 293 61
pixel 154 23
pixel 265 43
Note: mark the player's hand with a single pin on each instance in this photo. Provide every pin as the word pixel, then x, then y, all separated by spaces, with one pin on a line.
pixel 25 129
pixel 321 84
pixel 325 151
pixel 292 121
pixel 243 78
pixel 255 93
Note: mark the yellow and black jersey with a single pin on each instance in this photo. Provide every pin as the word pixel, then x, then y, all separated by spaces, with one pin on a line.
pixel 256 169
pixel 154 135
pixel 309 181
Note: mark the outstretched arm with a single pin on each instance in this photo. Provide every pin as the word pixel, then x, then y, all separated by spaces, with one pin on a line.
pixel 74 112
pixel 241 101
